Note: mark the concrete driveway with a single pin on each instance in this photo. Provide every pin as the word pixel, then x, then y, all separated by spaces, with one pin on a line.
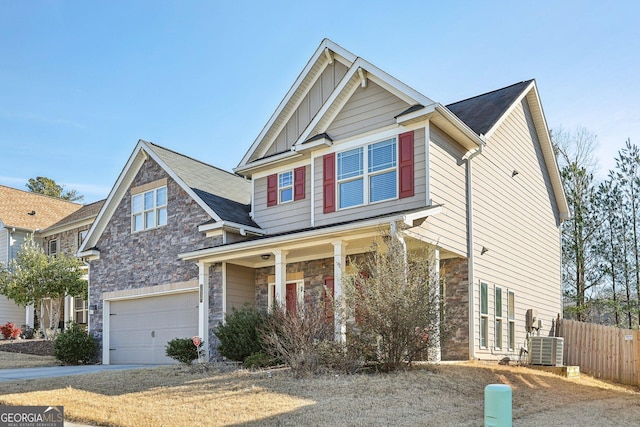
pixel 61 371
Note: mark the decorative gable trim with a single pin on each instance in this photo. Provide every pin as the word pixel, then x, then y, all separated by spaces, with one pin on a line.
pixel 324 55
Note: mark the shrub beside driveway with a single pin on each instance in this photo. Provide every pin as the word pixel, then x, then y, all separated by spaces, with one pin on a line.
pixel 442 395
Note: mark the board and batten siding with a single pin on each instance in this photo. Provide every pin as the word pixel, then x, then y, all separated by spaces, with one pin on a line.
pixel 282 217
pixel 308 107
pixel 368 109
pixel 447 181
pixel 241 286
pixel 369 210
pixel 516 218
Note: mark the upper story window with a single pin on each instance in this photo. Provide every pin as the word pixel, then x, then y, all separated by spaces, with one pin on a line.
pixel 285 186
pixel 372 177
pixel 149 209
pixel 53 247
pixel 369 174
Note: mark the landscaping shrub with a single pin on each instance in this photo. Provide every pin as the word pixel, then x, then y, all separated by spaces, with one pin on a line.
pixel 27 332
pixel 74 346
pixel 184 350
pixel 10 331
pixel 295 338
pixel 239 336
pixel 259 360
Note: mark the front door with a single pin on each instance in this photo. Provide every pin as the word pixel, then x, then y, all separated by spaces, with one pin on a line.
pixel 292 298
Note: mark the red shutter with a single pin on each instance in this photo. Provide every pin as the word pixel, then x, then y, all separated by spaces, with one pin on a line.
pixel 291 298
pixel 329 182
pixel 272 190
pixel 298 183
pixel 405 171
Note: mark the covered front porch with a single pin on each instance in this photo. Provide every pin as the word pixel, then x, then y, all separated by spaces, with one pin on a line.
pixel 293 269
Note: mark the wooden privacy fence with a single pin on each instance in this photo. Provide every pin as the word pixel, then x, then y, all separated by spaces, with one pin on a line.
pixel 602 351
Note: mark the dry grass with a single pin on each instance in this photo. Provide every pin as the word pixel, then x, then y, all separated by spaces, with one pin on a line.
pixel 19 360
pixel 438 396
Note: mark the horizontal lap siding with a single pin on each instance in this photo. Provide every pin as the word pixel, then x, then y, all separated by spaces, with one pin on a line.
pixel 366 211
pixel 308 108
pixel 447 179
pixel 516 219
pixel 241 287
pixel 4 246
pixel 282 217
pixel 368 109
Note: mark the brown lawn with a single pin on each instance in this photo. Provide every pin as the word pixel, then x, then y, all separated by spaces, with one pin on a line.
pixel 445 395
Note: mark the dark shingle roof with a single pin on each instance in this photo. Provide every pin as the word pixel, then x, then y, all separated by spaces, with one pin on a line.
pixel 228 210
pixel 481 112
pixel 89 211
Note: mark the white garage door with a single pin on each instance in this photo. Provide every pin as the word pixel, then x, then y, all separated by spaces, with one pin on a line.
pixel 140 328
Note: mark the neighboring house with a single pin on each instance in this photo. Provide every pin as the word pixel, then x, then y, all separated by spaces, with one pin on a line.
pixel 23 213
pixel 66 236
pixel 350 152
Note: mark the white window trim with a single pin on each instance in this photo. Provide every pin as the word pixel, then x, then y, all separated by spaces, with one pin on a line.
pixel 484 332
pixel 299 292
pixel 499 319
pixel 84 309
pixel 156 208
pixel 291 186
pixel 511 320
pixel 366 175
pixel 52 241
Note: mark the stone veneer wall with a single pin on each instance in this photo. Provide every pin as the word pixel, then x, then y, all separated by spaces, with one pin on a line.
pixel 147 258
pixel 314 274
pixel 455 273
pixel 67 240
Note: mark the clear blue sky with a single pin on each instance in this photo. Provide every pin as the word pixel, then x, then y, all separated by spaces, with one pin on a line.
pixel 82 81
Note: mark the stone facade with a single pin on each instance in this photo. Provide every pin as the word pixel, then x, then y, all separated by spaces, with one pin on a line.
pixel 147 258
pixel 68 241
pixel 455 275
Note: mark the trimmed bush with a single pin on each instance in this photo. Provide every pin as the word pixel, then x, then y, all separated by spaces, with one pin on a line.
pixel 10 331
pixel 74 346
pixel 183 350
pixel 240 334
pixel 27 332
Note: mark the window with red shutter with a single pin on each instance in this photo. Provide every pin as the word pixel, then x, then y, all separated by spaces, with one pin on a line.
pixel 272 190
pixel 406 165
pixel 329 182
pixel 299 175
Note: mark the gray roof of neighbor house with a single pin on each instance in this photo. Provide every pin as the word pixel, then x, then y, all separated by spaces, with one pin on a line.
pixel 227 194
pixel 31 211
pixel 481 112
pixel 88 211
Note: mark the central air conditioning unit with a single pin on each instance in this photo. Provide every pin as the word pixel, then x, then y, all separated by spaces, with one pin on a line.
pixel 546 351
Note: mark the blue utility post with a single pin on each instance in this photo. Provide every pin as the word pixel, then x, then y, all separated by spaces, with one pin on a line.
pixel 497 406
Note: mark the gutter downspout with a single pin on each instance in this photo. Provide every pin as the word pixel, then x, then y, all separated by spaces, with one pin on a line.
pixel 470 248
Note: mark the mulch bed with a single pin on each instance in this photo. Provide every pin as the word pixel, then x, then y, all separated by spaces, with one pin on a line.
pixel 33 346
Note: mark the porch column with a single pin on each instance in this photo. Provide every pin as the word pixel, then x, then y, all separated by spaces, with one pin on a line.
pixel 435 352
pixel 281 277
pixel 68 308
pixel 339 263
pixel 29 316
pixel 203 306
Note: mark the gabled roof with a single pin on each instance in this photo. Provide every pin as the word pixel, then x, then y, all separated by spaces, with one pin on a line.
pixel 224 196
pixel 85 213
pixel 482 112
pixel 358 72
pixel 31 211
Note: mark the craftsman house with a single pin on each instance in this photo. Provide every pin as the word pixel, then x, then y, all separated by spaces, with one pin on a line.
pixel 348 153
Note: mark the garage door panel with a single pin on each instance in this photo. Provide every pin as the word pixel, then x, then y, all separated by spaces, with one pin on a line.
pixel 140 328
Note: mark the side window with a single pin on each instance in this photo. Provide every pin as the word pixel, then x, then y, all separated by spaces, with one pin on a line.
pixel 53 247
pixel 498 309
pixel 484 315
pixel 285 186
pixel 511 315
